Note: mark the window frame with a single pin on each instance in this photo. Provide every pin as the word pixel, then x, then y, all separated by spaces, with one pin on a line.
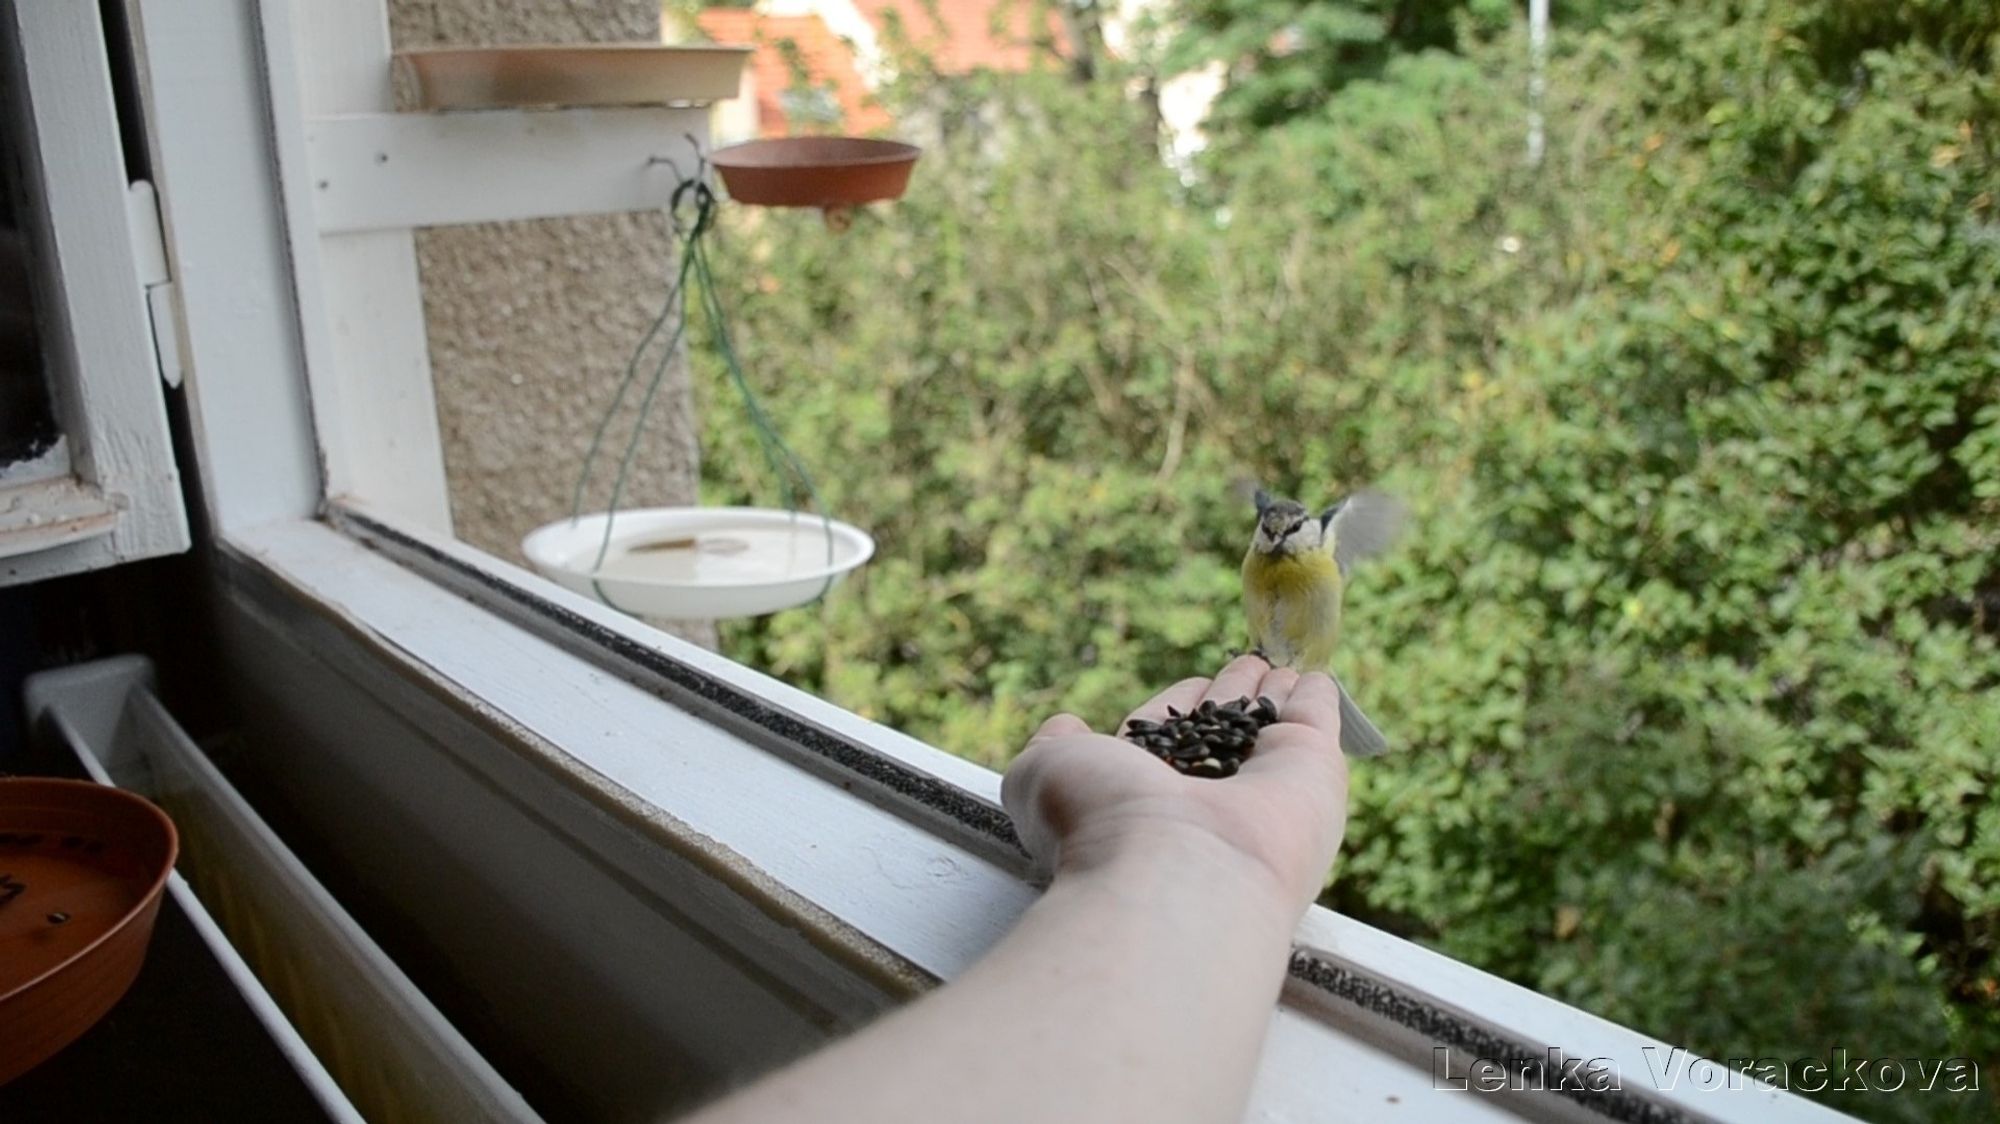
pixel 322 487
pixel 109 490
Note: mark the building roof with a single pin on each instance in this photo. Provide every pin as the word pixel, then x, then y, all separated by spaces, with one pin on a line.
pixel 827 62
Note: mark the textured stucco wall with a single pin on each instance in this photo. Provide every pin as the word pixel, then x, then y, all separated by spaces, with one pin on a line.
pixel 531 323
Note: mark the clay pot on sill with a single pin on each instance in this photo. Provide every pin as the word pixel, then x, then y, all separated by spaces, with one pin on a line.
pixel 84 866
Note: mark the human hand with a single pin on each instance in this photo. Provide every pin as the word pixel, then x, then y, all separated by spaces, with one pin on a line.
pixel 1083 800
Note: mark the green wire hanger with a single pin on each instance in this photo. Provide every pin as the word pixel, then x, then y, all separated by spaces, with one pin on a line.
pixel 691 242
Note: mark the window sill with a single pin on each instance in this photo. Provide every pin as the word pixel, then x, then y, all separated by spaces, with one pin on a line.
pixel 882 860
pixel 52 513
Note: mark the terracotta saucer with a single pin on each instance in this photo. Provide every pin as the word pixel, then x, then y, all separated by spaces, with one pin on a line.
pixel 816 171
pixel 82 870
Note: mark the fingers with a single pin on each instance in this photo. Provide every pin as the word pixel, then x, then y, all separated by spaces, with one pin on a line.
pixel 1238 680
pixel 1182 696
pixel 1306 742
pixel 1278 686
pixel 1248 676
pixel 1315 702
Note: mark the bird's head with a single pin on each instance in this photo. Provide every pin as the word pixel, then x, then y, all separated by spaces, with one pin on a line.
pixel 1286 527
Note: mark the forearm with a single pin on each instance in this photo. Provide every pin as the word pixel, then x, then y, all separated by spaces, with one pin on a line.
pixel 1139 989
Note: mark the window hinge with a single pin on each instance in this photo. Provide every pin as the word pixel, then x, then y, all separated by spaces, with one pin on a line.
pixel 156 285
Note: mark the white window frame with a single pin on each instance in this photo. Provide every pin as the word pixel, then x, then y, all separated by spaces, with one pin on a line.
pixel 108 491
pixel 858 862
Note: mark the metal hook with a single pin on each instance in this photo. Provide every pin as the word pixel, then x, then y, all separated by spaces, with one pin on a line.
pixel 679 176
pixel 704 196
pixel 700 157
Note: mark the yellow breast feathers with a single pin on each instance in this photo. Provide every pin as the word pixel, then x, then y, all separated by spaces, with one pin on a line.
pixel 1293 605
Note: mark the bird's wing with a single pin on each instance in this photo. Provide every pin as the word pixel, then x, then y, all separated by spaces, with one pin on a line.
pixel 1366 524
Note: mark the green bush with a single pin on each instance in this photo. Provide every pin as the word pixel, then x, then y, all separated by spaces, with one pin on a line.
pixel 1692 652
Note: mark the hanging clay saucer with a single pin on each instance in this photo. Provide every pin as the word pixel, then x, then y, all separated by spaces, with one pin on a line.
pixel 82 869
pixel 834 174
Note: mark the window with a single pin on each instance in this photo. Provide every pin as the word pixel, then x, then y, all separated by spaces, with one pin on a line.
pixel 27 417
pixel 87 477
pixel 594 842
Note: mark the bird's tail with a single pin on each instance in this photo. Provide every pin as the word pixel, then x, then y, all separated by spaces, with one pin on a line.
pixel 1358 736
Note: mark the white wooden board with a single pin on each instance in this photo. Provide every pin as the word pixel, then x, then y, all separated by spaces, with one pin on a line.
pixel 97 329
pixel 393 171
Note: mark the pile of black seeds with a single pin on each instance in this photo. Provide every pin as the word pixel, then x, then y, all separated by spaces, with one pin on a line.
pixel 1212 740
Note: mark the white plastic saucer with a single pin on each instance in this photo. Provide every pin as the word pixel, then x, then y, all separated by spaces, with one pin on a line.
pixel 699 563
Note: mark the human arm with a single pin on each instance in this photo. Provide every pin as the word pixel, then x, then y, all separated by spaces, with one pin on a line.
pixel 1141 984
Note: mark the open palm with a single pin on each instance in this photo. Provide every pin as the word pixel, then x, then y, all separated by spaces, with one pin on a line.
pixel 1083 799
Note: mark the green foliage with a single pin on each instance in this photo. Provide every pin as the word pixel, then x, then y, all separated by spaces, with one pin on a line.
pixel 1286 58
pixel 1289 56
pixel 1693 651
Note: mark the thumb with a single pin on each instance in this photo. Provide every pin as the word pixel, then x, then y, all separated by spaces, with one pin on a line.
pixel 1061 725
pixel 1022 786
pixel 1024 775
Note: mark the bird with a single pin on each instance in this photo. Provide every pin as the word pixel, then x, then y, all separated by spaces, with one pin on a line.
pixel 1294 576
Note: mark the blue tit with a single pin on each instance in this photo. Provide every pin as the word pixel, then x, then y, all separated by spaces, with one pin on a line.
pixel 1293 578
